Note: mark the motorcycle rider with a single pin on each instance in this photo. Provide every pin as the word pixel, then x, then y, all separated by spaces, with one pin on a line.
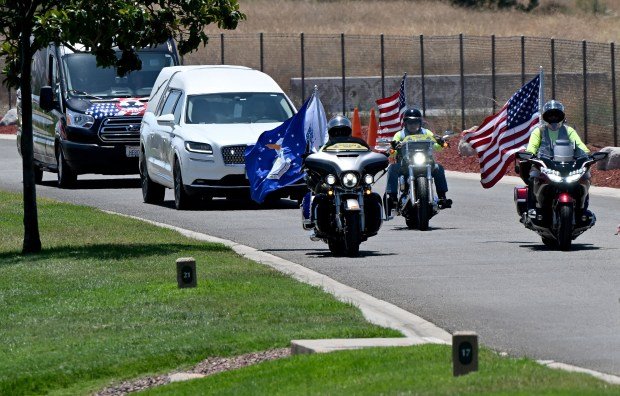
pixel 542 140
pixel 412 120
pixel 339 130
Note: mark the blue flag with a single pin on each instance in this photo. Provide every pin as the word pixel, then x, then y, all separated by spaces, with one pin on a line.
pixel 275 160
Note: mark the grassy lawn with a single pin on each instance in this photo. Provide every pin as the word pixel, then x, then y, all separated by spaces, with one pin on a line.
pixel 101 303
pixel 420 370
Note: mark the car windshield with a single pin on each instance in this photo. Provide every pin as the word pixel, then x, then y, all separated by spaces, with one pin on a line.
pixel 238 108
pixel 85 79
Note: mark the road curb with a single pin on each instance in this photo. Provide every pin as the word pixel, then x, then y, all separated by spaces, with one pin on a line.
pixel 5 136
pixel 382 313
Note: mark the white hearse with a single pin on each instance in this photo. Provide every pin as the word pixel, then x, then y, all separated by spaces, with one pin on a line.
pixel 198 122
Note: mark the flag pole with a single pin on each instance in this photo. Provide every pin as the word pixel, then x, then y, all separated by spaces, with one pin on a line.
pixel 541 93
pixel 405 79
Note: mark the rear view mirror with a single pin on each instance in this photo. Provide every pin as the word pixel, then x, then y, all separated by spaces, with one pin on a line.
pixel 46 98
pixel 524 155
pixel 599 156
pixel 166 120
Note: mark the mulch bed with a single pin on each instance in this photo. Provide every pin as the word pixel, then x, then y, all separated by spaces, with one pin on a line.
pixel 8 129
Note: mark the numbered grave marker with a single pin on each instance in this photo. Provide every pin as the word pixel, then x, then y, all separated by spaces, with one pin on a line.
pixel 464 352
pixel 186 272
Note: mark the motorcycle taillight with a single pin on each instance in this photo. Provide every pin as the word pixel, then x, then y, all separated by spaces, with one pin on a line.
pixel 521 194
pixel 565 198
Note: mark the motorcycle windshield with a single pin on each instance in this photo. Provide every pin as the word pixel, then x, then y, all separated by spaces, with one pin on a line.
pixel 346 147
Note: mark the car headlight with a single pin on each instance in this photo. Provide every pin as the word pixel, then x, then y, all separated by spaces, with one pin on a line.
pixel 369 179
pixel 330 179
pixel 349 180
pixel 419 158
pixel 79 119
pixel 202 148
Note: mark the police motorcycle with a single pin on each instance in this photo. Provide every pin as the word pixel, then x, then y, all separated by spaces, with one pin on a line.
pixel 560 194
pixel 417 199
pixel 342 210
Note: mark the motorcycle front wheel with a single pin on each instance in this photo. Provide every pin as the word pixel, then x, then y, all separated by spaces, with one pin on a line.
pixel 336 246
pixel 421 186
pixel 565 229
pixel 352 234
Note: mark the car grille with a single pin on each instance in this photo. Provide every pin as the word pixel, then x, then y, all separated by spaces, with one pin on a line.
pixel 234 155
pixel 120 129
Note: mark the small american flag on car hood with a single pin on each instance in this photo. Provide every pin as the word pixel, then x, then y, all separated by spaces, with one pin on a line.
pixel 118 107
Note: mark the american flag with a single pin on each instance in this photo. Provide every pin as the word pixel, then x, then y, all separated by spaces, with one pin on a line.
pixel 503 134
pixel 391 110
pixel 118 107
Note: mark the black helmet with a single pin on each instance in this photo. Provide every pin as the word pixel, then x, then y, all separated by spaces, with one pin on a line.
pixel 553 112
pixel 412 113
pixel 339 126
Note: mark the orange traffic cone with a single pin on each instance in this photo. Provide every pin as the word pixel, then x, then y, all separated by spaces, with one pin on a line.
pixel 356 125
pixel 372 129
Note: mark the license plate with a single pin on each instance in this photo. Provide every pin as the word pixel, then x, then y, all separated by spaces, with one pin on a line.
pixel 132 151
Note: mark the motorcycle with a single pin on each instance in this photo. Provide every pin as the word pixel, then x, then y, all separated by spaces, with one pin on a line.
pixel 417 199
pixel 560 194
pixel 342 209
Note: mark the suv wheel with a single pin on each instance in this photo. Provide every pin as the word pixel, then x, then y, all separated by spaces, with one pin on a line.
pixel 152 192
pixel 182 200
pixel 66 175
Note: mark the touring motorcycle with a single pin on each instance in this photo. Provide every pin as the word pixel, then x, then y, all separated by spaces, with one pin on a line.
pixel 417 199
pixel 342 210
pixel 560 194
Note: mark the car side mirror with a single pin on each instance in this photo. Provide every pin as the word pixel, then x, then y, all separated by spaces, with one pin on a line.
pixel 524 155
pixel 166 120
pixel 46 98
pixel 599 156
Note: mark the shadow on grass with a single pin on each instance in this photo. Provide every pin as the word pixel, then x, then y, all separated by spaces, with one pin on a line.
pixel 107 252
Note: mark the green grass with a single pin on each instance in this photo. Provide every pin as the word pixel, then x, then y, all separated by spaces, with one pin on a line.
pixel 100 304
pixel 419 370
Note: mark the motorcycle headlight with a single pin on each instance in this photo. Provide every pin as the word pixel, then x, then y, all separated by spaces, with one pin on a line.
pixel 553 175
pixel 419 159
pixel 202 148
pixel 330 179
pixel 369 179
pixel 79 119
pixel 349 180
pixel 575 175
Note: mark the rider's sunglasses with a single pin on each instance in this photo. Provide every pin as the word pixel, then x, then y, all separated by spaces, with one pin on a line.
pixel 412 121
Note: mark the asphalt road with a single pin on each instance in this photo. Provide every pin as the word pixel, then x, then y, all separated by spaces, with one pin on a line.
pixel 477 268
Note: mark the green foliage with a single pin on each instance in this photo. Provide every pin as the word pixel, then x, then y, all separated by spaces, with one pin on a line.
pixel 102 25
pixel 498 4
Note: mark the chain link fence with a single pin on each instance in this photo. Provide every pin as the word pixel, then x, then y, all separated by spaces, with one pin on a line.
pixel 456 80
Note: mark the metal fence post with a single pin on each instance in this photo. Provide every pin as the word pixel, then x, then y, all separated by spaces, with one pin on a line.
pixel 462 61
pixel 613 90
pixel 382 66
pixel 494 94
pixel 422 75
pixel 303 69
pixel 552 68
pixel 522 60
pixel 344 100
pixel 585 92
pixel 222 46
pixel 262 54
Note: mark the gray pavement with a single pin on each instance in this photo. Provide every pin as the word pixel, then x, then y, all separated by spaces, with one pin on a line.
pixel 477 268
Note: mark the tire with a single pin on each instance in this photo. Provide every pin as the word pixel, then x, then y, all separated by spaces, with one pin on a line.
pixel 421 186
pixel 550 242
pixel 336 246
pixel 352 234
pixel 66 176
pixel 412 222
pixel 182 200
pixel 38 175
pixel 565 229
pixel 152 193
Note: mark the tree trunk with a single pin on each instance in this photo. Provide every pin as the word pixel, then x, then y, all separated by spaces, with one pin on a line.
pixel 32 241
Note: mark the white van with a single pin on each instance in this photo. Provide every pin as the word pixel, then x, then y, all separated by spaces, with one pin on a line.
pixel 198 122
